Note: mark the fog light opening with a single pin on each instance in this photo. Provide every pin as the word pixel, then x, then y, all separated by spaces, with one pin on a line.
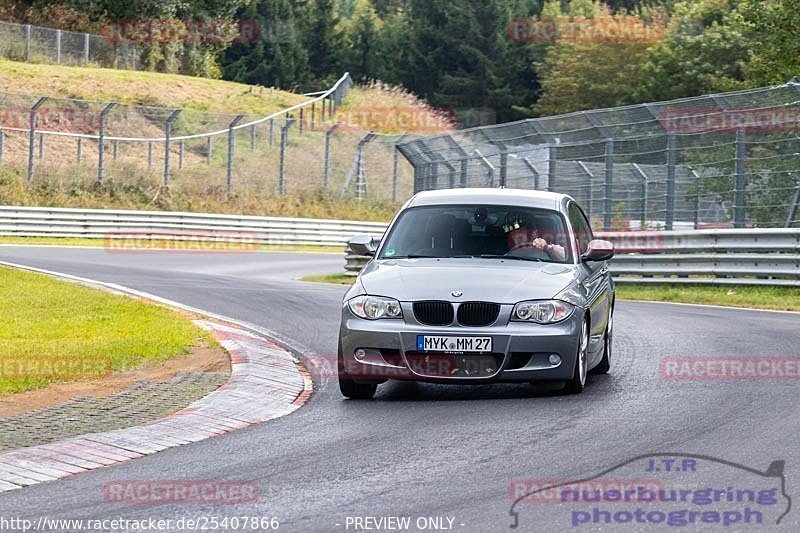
pixel 360 354
pixel 554 359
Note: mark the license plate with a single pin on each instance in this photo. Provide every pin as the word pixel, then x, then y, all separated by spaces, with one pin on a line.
pixel 437 343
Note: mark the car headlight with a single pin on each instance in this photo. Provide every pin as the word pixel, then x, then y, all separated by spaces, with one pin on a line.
pixel 542 312
pixel 375 307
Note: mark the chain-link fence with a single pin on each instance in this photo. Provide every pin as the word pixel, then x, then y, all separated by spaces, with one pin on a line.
pixel 23 42
pixel 725 160
pixel 300 148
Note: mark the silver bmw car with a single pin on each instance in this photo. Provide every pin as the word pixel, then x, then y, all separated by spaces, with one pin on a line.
pixel 479 286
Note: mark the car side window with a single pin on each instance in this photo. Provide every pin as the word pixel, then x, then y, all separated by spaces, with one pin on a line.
pixel 583 231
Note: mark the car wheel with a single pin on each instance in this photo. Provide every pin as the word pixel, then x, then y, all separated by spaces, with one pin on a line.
pixel 578 381
pixel 352 389
pixel 605 363
pixel 357 391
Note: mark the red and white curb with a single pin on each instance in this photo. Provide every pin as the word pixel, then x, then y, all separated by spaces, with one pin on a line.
pixel 266 382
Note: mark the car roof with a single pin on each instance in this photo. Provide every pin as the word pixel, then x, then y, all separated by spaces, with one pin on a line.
pixel 496 196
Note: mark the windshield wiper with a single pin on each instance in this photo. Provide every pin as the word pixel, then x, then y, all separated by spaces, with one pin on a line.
pixel 515 257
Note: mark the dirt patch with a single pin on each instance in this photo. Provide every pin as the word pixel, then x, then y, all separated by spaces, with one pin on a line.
pixel 200 359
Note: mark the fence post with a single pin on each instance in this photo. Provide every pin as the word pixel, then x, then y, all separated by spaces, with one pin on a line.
pixel 271 131
pixel 534 172
pixel 464 158
pixel 590 195
pixel 181 146
pixel 358 169
pixel 645 191
pixel 324 100
pixel 149 155
pixel 32 136
pixel 789 219
pixel 231 147
pixel 300 125
pixel 608 189
pixel 739 207
pixel 85 48
pixel 41 146
pixel 115 149
pixel 313 115
pixel 58 47
pixel 489 168
pixel 80 150
pixel 669 208
pixel 209 147
pixel 327 163
pixel 27 42
pixel 167 140
pixel 282 169
pixel 100 135
pixel 395 162
pixel 552 153
pixel 503 164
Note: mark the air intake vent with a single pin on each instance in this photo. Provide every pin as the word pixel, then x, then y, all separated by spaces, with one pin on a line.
pixel 434 313
pixel 478 313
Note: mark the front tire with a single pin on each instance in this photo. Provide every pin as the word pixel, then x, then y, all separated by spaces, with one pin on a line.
pixel 357 391
pixel 578 381
pixel 352 389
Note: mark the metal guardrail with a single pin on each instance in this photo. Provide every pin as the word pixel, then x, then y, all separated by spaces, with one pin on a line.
pixel 720 256
pixel 103 224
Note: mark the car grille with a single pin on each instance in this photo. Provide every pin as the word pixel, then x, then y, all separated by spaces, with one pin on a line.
pixel 477 313
pixel 434 313
pixel 442 365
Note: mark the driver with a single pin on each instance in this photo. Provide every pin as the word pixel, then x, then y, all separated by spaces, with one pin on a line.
pixel 523 236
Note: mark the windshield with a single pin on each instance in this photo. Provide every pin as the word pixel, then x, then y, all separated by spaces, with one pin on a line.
pixel 479 231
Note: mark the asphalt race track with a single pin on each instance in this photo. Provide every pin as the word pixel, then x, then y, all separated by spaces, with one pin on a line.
pixel 436 450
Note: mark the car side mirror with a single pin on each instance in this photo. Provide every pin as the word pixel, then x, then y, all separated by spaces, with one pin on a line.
pixel 363 245
pixel 599 251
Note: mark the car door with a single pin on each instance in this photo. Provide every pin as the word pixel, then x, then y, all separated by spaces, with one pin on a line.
pixel 596 280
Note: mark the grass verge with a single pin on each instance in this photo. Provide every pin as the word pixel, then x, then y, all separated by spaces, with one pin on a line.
pixel 141 87
pixel 775 298
pixel 60 323
pixel 340 279
pixel 146 194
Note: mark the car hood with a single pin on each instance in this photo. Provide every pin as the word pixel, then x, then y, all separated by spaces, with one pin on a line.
pixel 478 279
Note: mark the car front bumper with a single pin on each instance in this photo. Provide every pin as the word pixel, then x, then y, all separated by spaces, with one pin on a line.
pixel 521 351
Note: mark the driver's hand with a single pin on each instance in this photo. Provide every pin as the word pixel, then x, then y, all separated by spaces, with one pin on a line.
pixel 539 243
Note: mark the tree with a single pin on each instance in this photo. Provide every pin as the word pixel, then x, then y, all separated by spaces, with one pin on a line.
pixel 362 35
pixel 704 51
pixel 277 58
pixel 324 40
pixel 459 53
pixel 592 69
pixel 772 28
